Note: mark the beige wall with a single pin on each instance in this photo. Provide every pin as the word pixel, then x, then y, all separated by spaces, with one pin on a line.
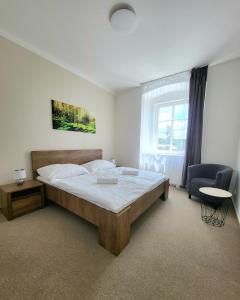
pixel 128 120
pixel 27 84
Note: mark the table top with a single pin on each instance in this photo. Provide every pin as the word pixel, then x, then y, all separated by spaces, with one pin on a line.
pixel 13 187
pixel 214 192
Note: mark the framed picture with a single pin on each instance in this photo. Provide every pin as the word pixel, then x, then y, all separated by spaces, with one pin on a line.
pixel 72 118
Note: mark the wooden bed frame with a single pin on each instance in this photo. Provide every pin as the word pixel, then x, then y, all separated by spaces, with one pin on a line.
pixel 114 228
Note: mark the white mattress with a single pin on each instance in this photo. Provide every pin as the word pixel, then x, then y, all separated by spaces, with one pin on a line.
pixel 113 197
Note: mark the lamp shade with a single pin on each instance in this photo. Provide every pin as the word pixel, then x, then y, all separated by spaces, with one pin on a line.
pixel 20 174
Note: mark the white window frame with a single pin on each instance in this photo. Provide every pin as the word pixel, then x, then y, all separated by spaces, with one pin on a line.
pixel 156 123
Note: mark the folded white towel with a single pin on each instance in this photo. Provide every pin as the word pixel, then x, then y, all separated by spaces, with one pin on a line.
pixel 130 172
pixel 107 179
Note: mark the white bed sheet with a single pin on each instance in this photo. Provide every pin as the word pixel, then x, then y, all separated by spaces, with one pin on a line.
pixel 113 197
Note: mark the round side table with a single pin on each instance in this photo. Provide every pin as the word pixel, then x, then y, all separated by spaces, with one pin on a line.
pixel 215 213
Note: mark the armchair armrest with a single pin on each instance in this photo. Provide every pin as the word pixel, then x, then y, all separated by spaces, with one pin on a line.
pixel 194 171
pixel 223 178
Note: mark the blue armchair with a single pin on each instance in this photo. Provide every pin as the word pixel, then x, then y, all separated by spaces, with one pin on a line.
pixel 208 175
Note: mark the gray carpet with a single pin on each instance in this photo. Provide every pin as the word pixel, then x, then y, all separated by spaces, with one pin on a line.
pixel 53 254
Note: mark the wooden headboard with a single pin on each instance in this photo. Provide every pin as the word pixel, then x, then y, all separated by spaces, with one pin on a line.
pixel 44 158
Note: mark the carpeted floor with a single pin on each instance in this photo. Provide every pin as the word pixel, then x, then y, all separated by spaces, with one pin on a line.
pixel 53 254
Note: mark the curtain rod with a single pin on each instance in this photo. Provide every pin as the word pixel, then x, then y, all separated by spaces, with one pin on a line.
pixel 152 81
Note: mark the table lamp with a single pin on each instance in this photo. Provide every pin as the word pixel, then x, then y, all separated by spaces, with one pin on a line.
pixel 19 176
pixel 113 160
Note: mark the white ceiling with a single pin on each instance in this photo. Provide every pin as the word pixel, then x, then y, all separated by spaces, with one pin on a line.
pixel 172 36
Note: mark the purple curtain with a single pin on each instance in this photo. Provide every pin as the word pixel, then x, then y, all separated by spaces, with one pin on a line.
pixel 195 119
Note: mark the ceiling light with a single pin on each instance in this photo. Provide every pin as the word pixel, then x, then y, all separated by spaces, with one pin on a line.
pixel 123 20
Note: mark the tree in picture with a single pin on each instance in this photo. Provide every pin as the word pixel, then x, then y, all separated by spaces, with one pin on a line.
pixel 72 118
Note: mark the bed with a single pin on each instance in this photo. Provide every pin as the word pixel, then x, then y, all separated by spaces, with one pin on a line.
pixel 113 222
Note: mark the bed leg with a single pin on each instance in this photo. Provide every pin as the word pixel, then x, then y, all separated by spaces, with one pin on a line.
pixel 114 231
pixel 164 196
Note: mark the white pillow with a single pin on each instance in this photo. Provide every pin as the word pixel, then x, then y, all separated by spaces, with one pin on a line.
pixel 61 171
pixel 99 164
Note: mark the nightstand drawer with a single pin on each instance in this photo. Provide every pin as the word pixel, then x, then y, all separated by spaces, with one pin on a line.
pixel 26 204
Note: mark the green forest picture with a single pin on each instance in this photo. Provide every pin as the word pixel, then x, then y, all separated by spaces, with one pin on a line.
pixel 72 118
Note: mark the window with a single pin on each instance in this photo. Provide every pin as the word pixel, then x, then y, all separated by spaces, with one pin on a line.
pixel 164 118
pixel 171 123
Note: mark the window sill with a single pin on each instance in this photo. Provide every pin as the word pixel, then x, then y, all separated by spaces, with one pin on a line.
pixel 169 154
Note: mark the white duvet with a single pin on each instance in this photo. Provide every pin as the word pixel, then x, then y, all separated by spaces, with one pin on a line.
pixel 113 197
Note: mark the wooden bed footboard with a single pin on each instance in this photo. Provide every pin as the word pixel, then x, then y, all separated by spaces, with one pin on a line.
pixel 114 228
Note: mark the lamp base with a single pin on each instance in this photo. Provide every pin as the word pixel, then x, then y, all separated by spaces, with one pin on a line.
pixel 19 181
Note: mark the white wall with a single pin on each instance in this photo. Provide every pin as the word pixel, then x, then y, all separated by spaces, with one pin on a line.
pixel 221 118
pixel 28 83
pixel 222 114
pixel 237 198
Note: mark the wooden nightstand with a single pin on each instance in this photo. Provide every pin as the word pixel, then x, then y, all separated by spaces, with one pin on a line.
pixel 17 200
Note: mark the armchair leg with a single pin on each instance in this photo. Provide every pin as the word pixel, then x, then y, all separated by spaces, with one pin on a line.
pixel 189 196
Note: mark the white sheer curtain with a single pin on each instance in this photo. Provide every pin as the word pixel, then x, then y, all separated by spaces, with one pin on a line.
pixel 164 125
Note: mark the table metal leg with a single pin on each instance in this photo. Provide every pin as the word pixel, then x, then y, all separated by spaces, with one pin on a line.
pixel 215 215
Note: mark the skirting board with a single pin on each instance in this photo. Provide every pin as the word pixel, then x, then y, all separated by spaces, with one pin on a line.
pixel 235 207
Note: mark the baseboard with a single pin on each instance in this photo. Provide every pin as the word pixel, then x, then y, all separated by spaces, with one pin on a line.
pixel 238 216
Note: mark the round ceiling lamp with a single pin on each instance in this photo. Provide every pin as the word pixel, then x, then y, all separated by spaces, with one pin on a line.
pixel 123 20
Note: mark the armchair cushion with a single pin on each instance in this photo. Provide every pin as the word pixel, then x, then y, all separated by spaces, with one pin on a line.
pixel 208 182
pixel 197 183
